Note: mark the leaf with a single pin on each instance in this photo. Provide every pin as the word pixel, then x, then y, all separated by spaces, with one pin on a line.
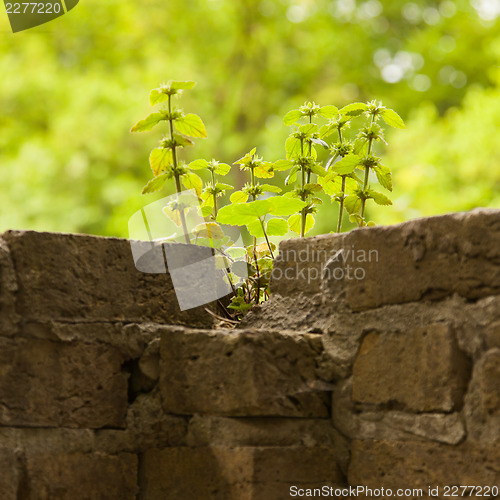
pixel 308 129
pixel 191 125
pixel 320 142
pixel 318 170
pixel 352 204
pixel 184 85
pixel 160 159
pixel 270 188
pixel 346 165
pixel 239 197
pixel 210 230
pixel 392 118
pixel 183 141
pixel 379 198
pixel 354 109
pixel 283 205
pixel 295 223
pixel 241 214
pixel 156 96
pixel 148 123
pixel 281 165
pixel 327 130
pixel 277 227
pixel 222 169
pixel 155 184
pixel 292 117
pixel 192 181
pixel 293 147
pixel 174 214
pixel 384 176
pixel 223 187
pixel 264 171
pixel 292 176
pixel 255 229
pixel 328 111
pixel 206 210
pixel 198 164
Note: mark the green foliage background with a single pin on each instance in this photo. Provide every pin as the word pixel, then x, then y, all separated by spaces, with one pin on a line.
pixel 71 89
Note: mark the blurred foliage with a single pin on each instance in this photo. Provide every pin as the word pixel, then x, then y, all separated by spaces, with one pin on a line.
pixel 71 89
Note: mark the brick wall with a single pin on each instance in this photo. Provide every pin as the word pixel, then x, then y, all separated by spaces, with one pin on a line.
pixel 376 366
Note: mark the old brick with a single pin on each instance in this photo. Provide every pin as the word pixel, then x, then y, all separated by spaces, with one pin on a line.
pixel 89 278
pixel 394 464
pixel 422 370
pixel 425 258
pixel 8 287
pixel 234 473
pixel 80 476
pixel 240 373
pixel 52 384
pixel 9 475
pixel 482 403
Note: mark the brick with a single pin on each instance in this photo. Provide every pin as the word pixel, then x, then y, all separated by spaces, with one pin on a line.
pixel 64 277
pixel 80 476
pixel 8 288
pixel 240 373
pixel 420 371
pixel 9 475
pixel 234 473
pixel 53 384
pixel 403 464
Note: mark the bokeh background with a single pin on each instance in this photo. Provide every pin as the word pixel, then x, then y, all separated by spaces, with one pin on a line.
pixel 71 89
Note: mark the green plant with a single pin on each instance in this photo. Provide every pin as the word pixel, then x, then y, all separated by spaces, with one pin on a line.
pixel 342 175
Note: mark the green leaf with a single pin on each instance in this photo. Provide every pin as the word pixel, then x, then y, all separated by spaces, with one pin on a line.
pixel 392 118
pixel 241 214
pixel 198 164
pixel 156 96
pixel 379 198
pixel 354 109
pixel 384 176
pixel 160 159
pixel 283 205
pixel 191 125
pixel 264 171
pixel 192 181
pixel 255 229
pixel 292 176
pixel 277 227
pixel 308 129
pixel 148 123
pixel 223 187
pixel 293 147
pixel 327 130
pixel 352 204
pixel 328 111
pixel 292 117
pixel 239 197
pixel 281 165
pixel 346 165
pixel 318 170
pixel 206 210
pixel 183 141
pixel 222 169
pixel 270 188
pixel 295 223
pixel 320 142
pixel 155 184
pixel 210 230
pixel 178 85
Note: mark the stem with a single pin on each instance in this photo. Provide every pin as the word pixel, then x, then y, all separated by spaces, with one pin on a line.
pixel 176 175
pixel 310 152
pixel 267 239
pixel 258 277
pixel 341 210
pixel 214 195
pixel 367 171
pixel 303 211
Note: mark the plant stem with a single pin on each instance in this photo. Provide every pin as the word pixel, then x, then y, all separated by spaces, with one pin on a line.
pixel 214 195
pixel 176 174
pixel 367 170
pixel 303 211
pixel 341 210
pixel 262 224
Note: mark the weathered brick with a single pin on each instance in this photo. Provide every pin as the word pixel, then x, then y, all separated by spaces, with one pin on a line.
pixel 422 370
pixel 403 464
pixel 8 288
pixel 80 476
pixel 234 473
pixel 240 373
pixel 89 278
pixel 51 384
pixel 9 475
pixel 425 258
